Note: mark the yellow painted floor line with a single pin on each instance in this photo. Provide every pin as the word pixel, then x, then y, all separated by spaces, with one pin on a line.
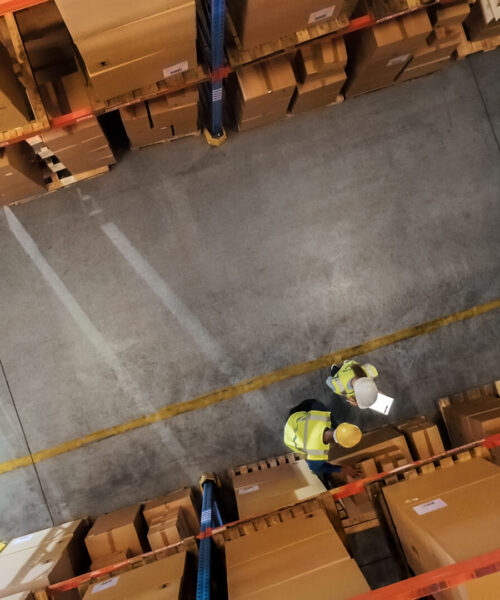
pixel 250 385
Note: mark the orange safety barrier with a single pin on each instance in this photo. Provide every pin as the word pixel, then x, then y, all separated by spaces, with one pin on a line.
pixel 13 5
pixel 438 580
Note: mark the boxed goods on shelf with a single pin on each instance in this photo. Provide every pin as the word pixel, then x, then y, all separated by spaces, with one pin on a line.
pixel 438 523
pixel 14 111
pixel 477 25
pixel 298 558
pixel 262 93
pixel 261 21
pixel 263 490
pixel 165 578
pixel 182 497
pixel 121 531
pixel 167 529
pixel 473 419
pixel 59 554
pixel 423 438
pixel 378 54
pixel 20 174
pixel 130 47
pixel 319 69
pixel 161 119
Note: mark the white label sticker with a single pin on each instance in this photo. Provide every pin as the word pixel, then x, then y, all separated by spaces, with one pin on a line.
pixel 175 69
pixel 321 15
pixel 428 507
pixel 248 490
pixel 397 60
pixel 105 585
pixel 25 538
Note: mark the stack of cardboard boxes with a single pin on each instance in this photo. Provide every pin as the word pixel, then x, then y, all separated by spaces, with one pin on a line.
pixel 423 437
pixel 261 94
pixel 263 490
pixel 171 518
pixel 319 69
pixel 472 420
pixel 302 557
pixel 14 109
pixel 161 119
pixel 32 562
pixel 261 21
pixel 484 20
pixel 437 51
pixel 20 174
pixel 128 45
pixel 447 516
pixel 377 55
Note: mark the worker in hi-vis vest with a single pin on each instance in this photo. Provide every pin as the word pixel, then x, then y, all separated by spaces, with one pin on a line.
pixel 354 382
pixel 310 430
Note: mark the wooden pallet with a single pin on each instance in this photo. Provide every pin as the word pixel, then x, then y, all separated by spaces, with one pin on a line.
pixel 467 47
pixel 239 57
pixel 268 463
pixel 323 502
pixel 12 39
pixel 61 178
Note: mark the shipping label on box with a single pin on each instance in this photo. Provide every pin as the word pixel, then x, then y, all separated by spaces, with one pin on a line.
pixel 321 15
pixel 176 69
pixel 399 60
pixel 427 507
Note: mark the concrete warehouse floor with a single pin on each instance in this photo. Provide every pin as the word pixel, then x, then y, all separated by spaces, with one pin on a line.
pixel 188 268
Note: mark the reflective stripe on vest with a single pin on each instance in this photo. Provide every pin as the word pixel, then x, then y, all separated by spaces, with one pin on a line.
pixel 304 433
pixel 342 380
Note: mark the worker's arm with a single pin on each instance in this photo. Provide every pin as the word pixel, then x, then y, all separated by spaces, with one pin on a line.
pixel 322 466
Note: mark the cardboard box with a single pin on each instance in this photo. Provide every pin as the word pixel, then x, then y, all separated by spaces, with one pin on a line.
pixel 20 176
pixel 372 444
pixel 264 88
pixel 35 568
pixel 110 82
pixel 119 531
pixel 94 16
pixel 437 522
pixel 317 93
pixel 72 529
pixel 263 491
pixel 172 31
pixel 20 596
pixel 68 94
pixel 476 26
pixel 160 580
pixel 315 61
pixel 182 497
pixel 289 559
pixel 451 16
pixel 14 110
pixel 109 559
pixel 458 417
pixel 171 528
pixel 261 21
pixel 423 437
pixel 259 120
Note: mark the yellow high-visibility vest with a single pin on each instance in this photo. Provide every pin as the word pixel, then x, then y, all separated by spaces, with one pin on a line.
pixel 304 433
pixel 342 380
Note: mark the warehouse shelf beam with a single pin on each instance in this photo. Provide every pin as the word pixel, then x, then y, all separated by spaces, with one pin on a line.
pixel 216 134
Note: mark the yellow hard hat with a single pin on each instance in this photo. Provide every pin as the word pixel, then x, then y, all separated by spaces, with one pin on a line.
pixel 347 435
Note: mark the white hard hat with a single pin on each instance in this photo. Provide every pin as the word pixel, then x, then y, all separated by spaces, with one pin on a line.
pixel 365 390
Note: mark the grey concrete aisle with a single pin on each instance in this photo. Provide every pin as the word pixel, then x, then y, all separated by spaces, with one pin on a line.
pixel 188 268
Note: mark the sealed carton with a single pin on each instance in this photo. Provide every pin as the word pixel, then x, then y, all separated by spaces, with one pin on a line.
pixel 75 529
pixel 458 417
pixel 261 21
pixel 289 559
pixel 321 59
pixel 20 174
pixel 450 16
pixel 109 559
pixel 182 497
pixel 263 491
pixel 20 596
pixel 477 27
pixel 259 121
pixel 423 437
pixel 317 93
pixel 164 579
pixel 14 110
pixel 372 444
pixel 169 528
pixel 119 531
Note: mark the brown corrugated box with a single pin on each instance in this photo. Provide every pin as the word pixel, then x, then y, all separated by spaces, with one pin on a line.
pixel 317 93
pixel 380 53
pixel 458 417
pixel 141 72
pixel 259 121
pixel 13 100
pixel 20 174
pixel 264 88
pixel 71 529
pixel 437 521
pixel 290 559
pixel 181 497
pixel 263 491
pixel 109 559
pixel 452 15
pixel 169 528
pixel 35 568
pixel 318 60
pixel 68 93
pixel 372 444
pixel 20 596
pixel 160 580
pixel 423 437
pixel 261 21
pixel 476 25
pixel 119 531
